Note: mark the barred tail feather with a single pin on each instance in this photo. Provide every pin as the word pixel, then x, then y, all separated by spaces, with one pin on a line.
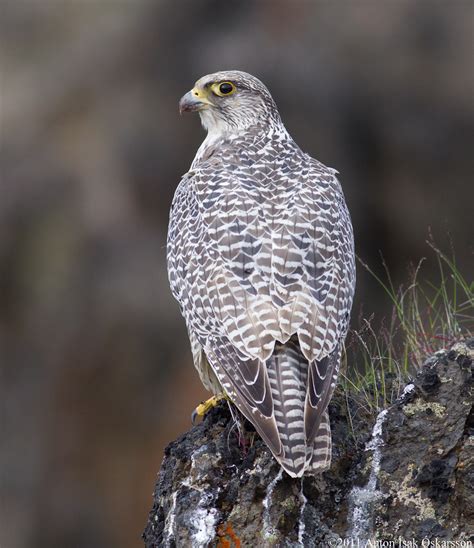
pixel 287 370
pixel 320 458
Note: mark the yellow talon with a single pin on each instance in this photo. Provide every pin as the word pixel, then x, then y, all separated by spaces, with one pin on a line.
pixel 205 406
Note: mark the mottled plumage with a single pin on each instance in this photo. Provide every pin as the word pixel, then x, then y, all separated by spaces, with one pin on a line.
pixel 261 261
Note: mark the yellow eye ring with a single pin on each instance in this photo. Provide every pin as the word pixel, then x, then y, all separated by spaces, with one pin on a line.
pixel 223 89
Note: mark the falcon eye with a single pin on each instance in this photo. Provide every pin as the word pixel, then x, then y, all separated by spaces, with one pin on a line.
pixel 224 88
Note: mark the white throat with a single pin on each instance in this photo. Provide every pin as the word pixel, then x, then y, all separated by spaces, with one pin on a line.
pixel 217 131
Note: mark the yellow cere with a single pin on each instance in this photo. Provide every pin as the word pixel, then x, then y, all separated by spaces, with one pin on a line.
pixel 202 95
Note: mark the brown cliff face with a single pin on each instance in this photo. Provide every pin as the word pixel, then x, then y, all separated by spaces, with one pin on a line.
pixel 410 476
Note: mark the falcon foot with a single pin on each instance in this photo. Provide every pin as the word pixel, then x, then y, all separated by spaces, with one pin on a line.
pixel 205 406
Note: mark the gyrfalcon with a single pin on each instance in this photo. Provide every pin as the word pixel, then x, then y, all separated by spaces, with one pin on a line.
pixel 261 260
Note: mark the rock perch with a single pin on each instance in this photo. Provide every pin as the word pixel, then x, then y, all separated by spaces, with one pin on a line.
pixel 409 476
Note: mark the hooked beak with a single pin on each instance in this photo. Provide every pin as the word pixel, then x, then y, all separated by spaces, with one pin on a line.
pixel 193 101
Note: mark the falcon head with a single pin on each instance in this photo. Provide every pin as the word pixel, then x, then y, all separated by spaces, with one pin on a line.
pixel 231 102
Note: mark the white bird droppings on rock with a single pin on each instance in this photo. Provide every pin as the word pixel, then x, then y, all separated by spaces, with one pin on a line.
pixel 361 499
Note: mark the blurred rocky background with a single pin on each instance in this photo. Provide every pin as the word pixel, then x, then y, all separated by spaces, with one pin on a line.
pixel 96 374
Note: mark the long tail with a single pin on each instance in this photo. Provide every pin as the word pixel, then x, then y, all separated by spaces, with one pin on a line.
pixel 288 374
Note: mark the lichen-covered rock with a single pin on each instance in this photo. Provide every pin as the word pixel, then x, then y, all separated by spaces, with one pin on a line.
pixel 427 466
pixel 413 479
